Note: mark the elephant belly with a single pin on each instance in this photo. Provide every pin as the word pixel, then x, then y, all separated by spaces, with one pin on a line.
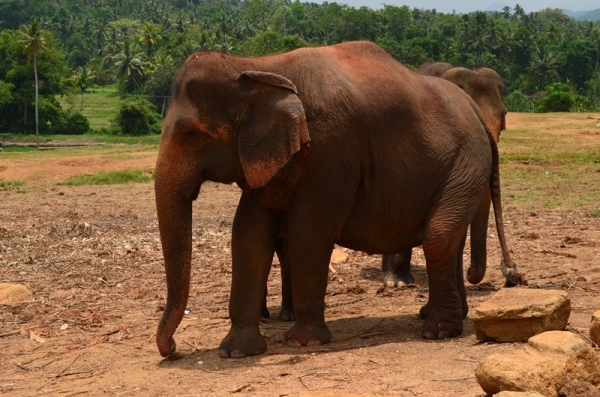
pixel 381 234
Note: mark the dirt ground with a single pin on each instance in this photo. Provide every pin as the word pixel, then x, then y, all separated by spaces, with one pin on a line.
pixel 91 256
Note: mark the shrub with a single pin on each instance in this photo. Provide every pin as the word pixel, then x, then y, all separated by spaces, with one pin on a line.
pixel 137 116
pixel 560 97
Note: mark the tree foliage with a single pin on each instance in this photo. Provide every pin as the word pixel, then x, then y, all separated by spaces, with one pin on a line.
pixel 139 44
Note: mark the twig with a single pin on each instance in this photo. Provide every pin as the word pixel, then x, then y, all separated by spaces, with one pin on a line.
pixel 239 389
pixel 18 331
pixel 69 366
pixel 22 367
pixel 73 373
pixel 78 392
pixel 581 334
pixel 453 380
pixel 362 332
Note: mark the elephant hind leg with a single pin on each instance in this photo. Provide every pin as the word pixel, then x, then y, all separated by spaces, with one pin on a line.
pixel 308 260
pixel 396 269
pixel 447 305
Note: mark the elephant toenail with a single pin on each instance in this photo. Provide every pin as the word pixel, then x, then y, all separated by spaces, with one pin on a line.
pixel 428 335
pixel 237 354
pixel 223 353
pixel 293 343
pixel 314 342
pixel 443 335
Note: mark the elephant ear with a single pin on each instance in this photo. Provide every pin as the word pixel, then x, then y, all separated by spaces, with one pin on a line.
pixel 273 127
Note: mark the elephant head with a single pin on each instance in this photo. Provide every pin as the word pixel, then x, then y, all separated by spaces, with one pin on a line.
pixel 486 88
pixel 223 125
pixel 435 69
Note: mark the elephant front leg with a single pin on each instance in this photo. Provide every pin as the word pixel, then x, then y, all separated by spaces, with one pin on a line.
pixel 309 265
pixel 287 312
pixel 252 247
pixel 396 270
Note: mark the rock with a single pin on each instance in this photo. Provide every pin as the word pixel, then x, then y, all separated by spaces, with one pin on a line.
pixel 516 314
pixel 595 328
pixel 518 394
pixel 566 388
pixel 338 256
pixel 541 366
pixel 13 294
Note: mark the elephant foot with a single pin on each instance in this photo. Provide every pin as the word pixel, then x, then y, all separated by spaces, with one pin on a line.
pixel 391 280
pixel 242 341
pixel 475 274
pixel 307 335
pixel 396 271
pixel 436 327
pixel 287 314
pixel 424 311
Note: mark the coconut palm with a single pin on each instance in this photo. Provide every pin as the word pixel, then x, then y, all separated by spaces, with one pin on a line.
pixel 542 61
pixel 128 63
pixel 83 77
pixel 33 41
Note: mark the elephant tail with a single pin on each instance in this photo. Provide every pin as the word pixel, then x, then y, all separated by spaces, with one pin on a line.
pixel 508 267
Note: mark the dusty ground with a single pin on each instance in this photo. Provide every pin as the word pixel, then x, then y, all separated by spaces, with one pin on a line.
pixel 91 256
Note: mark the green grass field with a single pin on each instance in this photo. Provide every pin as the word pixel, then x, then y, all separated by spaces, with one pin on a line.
pixel 99 105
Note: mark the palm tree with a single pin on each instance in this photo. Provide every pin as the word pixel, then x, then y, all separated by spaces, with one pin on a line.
pixel 34 43
pixel 128 63
pixel 149 36
pixel 83 77
pixel 542 61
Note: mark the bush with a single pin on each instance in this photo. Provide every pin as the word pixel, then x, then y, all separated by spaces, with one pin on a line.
pixel 137 116
pixel 76 124
pixel 560 97
pixel 517 101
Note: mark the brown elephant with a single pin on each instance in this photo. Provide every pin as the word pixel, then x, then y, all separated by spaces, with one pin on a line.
pixel 486 88
pixel 435 69
pixel 324 154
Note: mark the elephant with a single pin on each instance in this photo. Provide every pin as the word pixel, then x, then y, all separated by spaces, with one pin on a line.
pixel 486 88
pixel 324 154
pixel 434 68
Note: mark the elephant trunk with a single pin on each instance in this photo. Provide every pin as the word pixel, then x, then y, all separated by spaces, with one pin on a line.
pixel 174 209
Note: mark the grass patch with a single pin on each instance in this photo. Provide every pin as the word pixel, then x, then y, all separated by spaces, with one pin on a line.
pixel 15 149
pixel 594 213
pixel 150 139
pixel 111 177
pixel 551 166
pixel 99 105
pixel 14 185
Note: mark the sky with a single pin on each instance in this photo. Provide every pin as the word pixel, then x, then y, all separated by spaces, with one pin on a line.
pixel 466 6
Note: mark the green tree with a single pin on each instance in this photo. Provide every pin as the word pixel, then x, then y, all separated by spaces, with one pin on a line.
pixel 33 41
pixel 129 66
pixel 83 78
pixel 149 37
pixel 542 61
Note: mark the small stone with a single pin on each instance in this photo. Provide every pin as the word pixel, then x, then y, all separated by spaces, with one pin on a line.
pixel 13 294
pixel 338 256
pixel 595 328
pixel 516 314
